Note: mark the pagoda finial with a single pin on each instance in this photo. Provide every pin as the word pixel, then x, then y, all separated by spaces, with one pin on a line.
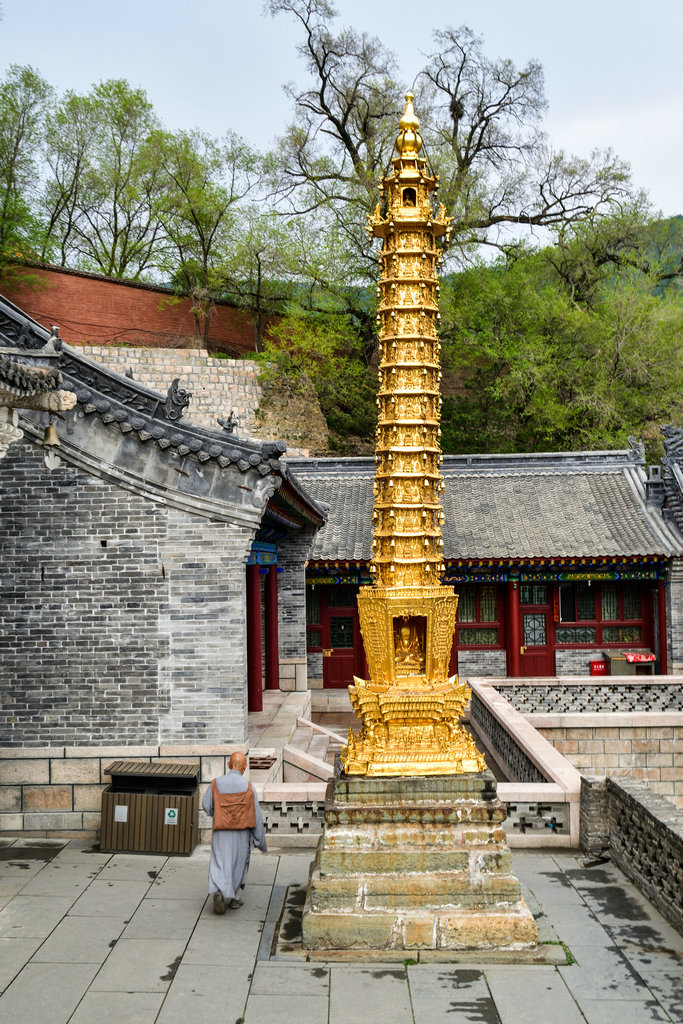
pixel 409 141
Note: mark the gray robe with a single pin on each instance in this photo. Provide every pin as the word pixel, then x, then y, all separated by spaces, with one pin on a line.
pixel 231 849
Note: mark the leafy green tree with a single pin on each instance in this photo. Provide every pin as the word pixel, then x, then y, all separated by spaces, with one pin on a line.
pixel 113 226
pixel 201 181
pixel 324 351
pixel 70 132
pixel 25 99
pixel 541 364
pixel 481 121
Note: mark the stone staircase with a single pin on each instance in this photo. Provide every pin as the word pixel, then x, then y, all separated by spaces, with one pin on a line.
pixel 310 753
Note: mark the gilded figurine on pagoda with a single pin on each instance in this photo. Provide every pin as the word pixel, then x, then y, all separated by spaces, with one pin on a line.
pixel 410 707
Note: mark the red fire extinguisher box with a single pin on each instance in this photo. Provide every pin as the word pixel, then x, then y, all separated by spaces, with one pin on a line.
pixel 599 667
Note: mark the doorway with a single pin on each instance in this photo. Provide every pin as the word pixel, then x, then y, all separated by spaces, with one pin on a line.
pixel 537 655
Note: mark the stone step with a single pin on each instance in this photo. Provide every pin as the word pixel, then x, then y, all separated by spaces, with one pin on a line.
pixel 415 789
pixel 416 836
pixel 453 929
pixel 311 767
pixel 412 892
pixel 407 858
pixel 317 745
pixel 493 811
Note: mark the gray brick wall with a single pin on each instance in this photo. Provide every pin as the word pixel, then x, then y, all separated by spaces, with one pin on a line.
pixel 674 616
pixel 481 663
pixel 122 620
pixel 291 558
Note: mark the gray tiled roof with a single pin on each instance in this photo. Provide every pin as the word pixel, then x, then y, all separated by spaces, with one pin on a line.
pixel 506 507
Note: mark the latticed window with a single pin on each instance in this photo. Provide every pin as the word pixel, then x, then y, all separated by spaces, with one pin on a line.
pixel 533 593
pixel 479 605
pixel 601 613
pixel 313 618
pixel 342 596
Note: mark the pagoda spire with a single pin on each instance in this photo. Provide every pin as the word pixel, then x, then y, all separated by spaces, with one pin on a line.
pixel 409 707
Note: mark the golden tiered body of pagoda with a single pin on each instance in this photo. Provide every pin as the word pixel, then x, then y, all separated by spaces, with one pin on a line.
pixel 409 707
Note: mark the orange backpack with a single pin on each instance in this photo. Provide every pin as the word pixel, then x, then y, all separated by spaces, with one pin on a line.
pixel 232 811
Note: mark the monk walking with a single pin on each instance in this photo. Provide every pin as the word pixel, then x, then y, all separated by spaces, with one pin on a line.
pixel 237 827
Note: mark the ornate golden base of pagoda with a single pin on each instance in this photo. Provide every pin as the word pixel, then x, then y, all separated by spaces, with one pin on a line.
pixel 409 732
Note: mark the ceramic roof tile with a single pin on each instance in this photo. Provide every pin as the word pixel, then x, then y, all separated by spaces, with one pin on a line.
pixel 537 511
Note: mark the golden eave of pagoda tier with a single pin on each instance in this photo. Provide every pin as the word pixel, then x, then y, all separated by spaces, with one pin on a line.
pixel 409 706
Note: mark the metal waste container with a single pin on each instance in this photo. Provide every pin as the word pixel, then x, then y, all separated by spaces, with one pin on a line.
pixel 150 807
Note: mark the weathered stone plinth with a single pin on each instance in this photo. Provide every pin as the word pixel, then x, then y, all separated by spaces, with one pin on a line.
pixel 417 864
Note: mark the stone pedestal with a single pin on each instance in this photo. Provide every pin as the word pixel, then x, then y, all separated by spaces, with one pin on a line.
pixel 415 863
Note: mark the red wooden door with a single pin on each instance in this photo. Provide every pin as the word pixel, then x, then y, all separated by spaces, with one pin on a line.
pixel 537 657
pixel 341 660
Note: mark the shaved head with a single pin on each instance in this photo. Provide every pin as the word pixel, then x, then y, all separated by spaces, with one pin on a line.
pixel 237 762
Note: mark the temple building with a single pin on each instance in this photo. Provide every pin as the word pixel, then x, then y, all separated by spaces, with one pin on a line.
pixel 565 564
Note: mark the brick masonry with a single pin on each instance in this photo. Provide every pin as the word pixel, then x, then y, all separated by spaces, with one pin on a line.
pixel 674 616
pixel 122 618
pixel 89 308
pixel 642 833
pixel 653 754
pixel 56 792
pixel 292 601
pixel 222 386
pixel 616 727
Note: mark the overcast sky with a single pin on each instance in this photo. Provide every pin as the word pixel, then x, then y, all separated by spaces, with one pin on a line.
pixel 613 67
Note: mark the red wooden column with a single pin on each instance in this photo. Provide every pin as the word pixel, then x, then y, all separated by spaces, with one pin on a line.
pixel 272 654
pixel 515 635
pixel 661 616
pixel 254 666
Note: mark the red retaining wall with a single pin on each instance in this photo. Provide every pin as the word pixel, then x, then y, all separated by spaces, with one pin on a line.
pixel 90 309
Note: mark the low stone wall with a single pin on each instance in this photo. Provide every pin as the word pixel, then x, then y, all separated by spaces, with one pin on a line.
pixel 643 834
pixel 221 386
pixel 56 792
pixel 542 794
pixel 621 727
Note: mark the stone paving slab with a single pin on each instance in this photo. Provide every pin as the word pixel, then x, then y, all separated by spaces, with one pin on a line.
pixel 619 1011
pixel 32 917
pixel 118 1008
pixel 140 965
pixel 81 940
pixel 46 993
pixel 210 993
pixel 542 997
pixel 358 995
pixel 109 898
pixel 133 867
pixel 305 980
pixel 69 880
pixel 10 885
pixel 439 994
pixel 14 953
pixel 601 973
pixel 300 1009
pixel 172 919
pixel 141 944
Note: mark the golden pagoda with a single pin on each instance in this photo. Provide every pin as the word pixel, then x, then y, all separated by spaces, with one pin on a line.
pixel 410 708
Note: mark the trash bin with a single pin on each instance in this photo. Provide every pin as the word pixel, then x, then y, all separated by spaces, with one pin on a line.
pixel 598 666
pixel 631 663
pixel 150 807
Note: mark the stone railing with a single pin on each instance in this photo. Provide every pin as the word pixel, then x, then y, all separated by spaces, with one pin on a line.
pixel 643 834
pixel 542 794
pixel 619 726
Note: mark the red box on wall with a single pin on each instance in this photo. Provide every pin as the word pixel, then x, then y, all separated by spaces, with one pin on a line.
pixel 598 667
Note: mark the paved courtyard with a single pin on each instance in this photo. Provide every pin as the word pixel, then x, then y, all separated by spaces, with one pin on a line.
pixel 93 938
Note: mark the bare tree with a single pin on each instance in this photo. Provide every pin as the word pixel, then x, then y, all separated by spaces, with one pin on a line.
pixel 481 122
